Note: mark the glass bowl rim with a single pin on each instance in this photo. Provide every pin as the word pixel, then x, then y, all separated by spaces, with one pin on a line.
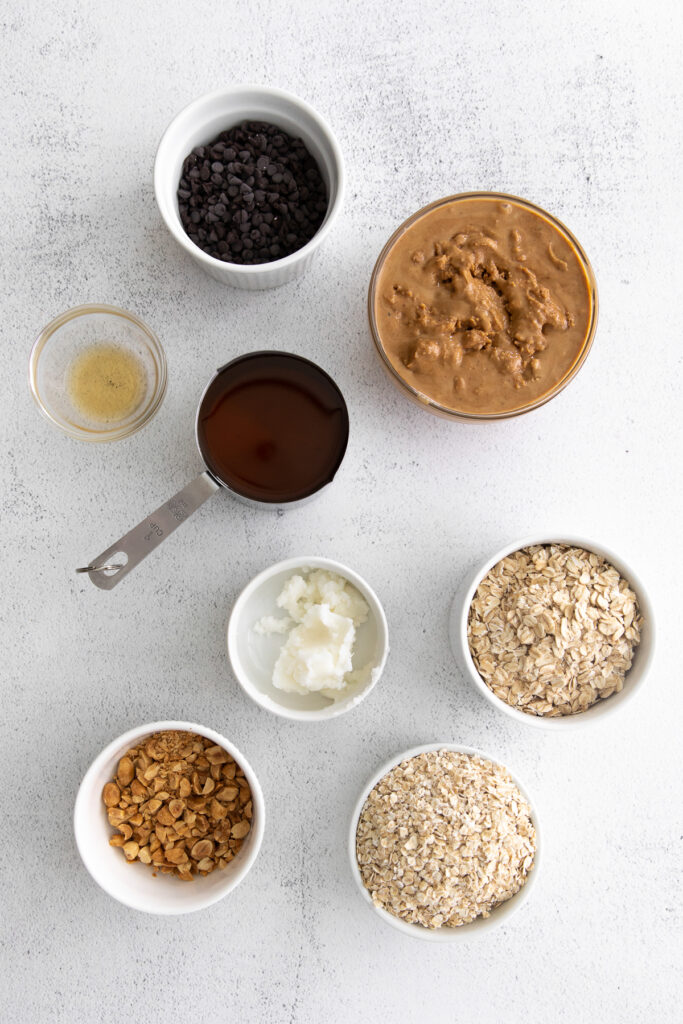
pixel 419 396
pixel 116 433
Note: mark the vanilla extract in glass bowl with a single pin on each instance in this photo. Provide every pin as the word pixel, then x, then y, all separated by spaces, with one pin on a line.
pixel 98 373
pixel 106 383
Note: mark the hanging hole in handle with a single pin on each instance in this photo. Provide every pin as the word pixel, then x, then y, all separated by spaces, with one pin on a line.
pixel 114 564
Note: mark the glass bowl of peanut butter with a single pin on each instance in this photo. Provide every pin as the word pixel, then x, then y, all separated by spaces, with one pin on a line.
pixel 482 306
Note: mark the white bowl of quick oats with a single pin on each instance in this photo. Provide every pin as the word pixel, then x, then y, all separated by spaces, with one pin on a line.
pixel 554 632
pixel 444 843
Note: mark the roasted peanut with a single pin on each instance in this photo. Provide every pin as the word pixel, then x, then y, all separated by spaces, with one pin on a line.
pixel 180 804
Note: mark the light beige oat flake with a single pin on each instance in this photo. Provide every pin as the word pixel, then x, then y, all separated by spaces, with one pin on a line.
pixel 444 838
pixel 552 629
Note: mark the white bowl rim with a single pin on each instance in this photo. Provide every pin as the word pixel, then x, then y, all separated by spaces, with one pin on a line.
pixel 585 718
pixel 127 739
pixel 376 609
pixel 177 230
pixel 498 916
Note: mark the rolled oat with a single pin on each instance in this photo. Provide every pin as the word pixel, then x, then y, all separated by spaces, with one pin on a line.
pixel 552 629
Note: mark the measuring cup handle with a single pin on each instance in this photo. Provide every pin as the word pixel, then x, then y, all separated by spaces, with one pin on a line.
pixel 125 554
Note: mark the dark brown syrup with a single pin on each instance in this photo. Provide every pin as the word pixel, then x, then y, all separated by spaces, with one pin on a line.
pixel 273 427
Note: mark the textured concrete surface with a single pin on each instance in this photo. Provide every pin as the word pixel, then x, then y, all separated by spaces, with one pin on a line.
pixel 576 106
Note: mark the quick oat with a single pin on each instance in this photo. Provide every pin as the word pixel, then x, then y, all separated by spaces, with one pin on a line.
pixel 552 629
pixel 179 803
pixel 443 838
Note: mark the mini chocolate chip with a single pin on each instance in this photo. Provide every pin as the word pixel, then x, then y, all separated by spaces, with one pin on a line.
pixel 253 184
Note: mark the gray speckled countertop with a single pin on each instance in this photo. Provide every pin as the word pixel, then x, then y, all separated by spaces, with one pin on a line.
pixel 576 106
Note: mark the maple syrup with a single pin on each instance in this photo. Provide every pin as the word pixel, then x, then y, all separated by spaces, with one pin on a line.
pixel 273 427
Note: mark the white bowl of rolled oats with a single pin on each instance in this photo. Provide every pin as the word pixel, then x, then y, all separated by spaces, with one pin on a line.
pixel 444 843
pixel 169 818
pixel 554 633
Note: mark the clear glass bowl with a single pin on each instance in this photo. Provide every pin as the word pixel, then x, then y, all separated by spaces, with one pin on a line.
pixel 59 344
pixel 429 403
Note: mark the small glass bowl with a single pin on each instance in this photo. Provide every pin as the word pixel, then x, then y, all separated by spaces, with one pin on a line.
pixel 64 339
pixel 430 404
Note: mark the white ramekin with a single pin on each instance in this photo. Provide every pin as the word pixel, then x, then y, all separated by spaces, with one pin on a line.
pixel 133 884
pixel 252 657
pixel 642 659
pixel 207 117
pixel 480 925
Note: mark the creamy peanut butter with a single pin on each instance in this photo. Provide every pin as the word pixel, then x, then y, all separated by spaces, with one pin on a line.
pixel 483 305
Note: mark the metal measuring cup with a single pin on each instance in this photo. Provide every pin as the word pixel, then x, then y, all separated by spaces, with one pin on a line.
pixel 120 558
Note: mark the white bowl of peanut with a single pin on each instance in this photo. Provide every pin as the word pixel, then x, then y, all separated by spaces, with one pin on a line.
pixel 169 818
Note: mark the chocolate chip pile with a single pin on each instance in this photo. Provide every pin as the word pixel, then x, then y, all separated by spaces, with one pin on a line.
pixel 253 195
